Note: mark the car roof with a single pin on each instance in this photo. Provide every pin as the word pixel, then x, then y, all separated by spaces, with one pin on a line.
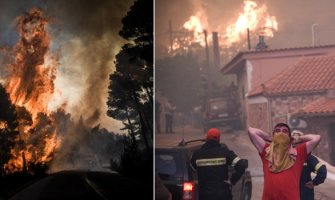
pixel 183 144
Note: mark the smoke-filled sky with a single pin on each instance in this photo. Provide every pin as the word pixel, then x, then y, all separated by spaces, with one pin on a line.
pixel 84 37
pixel 294 17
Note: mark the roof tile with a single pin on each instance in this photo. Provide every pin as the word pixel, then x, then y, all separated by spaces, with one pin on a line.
pixel 321 106
pixel 308 75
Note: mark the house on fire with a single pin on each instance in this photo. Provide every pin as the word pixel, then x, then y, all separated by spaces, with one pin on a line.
pixel 295 86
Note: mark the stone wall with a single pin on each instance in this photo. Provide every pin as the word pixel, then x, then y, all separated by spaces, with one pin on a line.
pixel 281 106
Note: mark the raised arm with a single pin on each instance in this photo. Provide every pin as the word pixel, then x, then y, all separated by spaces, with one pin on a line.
pixel 259 138
pixel 311 141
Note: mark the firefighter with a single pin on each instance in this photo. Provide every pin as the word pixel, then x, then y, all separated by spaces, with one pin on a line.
pixel 312 164
pixel 211 162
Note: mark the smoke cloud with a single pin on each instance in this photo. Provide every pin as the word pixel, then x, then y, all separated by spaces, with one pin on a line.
pixel 84 37
pixel 84 40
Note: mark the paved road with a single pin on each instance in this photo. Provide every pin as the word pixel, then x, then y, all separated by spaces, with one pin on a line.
pixel 239 142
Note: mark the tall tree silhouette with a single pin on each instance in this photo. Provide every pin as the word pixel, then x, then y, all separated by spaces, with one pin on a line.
pixel 131 89
pixel 8 128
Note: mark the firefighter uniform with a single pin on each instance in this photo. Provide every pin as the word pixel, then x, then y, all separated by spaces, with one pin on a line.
pixel 211 163
pixel 312 164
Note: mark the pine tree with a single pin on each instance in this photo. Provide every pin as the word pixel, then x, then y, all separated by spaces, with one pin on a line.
pixel 8 128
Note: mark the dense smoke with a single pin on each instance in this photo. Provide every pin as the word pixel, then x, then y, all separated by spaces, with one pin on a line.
pixel 84 37
pixel 73 54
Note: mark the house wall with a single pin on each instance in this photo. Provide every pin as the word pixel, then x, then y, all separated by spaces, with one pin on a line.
pixel 258 113
pixel 267 112
pixel 242 91
pixel 320 126
pixel 282 105
pixel 255 68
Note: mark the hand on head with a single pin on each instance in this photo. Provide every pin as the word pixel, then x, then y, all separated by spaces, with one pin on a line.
pixel 295 138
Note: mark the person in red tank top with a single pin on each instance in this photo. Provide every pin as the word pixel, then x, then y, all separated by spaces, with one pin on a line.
pixel 282 163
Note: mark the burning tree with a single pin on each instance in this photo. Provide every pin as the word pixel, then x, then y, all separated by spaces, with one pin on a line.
pixel 31 72
pixel 47 135
pixel 253 21
pixel 8 128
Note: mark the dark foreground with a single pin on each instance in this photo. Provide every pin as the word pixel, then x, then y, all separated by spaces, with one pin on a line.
pixel 84 185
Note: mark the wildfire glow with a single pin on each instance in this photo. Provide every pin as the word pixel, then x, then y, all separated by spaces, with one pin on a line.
pixel 31 81
pixel 30 86
pixel 253 17
pixel 194 25
pixel 192 34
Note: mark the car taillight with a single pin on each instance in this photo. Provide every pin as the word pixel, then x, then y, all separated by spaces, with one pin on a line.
pixel 188 191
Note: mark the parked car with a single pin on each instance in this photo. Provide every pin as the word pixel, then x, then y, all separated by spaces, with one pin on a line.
pixel 173 166
pixel 219 112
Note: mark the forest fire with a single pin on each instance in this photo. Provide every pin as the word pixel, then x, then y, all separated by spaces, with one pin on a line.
pixel 253 18
pixel 192 34
pixel 31 73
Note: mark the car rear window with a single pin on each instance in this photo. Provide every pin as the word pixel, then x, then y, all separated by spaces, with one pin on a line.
pixel 168 163
pixel 217 106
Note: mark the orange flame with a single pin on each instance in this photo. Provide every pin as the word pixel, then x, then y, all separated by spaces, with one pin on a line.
pixel 194 25
pixel 254 18
pixel 30 85
pixel 192 34
pixel 31 81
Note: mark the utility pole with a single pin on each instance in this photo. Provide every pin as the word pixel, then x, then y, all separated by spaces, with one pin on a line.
pixel 170 35
pixel 216 49
pixel 209 92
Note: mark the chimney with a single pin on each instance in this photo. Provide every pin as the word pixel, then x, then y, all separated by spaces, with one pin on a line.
pixel 216 49
pixel 261 44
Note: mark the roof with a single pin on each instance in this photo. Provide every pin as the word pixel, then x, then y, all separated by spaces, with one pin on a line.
pixel 323 106
pixel 243 55
pixel 310 75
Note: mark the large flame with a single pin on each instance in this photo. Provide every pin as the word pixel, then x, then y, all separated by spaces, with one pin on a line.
pixel 192 34
pixel 194 24
pixel 30 86
pixel 31 80
pixel 254 18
